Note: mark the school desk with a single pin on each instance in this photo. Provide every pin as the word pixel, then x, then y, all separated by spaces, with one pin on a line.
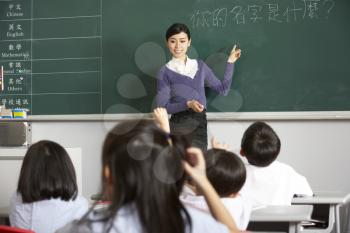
pixel 334 200
pixel 280 218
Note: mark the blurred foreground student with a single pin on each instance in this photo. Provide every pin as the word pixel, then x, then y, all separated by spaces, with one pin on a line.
pixel 143 174
pixel 47 193
pixel 269 182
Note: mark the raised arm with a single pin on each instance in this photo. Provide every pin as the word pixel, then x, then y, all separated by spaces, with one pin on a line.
pixel 219 145
pixel 223 87
pixel 161 117
pixel 195 168
pixel 234 55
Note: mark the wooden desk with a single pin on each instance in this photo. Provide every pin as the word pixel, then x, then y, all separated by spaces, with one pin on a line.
pixel 280 218
pixel 334 200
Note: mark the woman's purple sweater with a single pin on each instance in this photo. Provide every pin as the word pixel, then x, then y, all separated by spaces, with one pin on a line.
pixel 174 89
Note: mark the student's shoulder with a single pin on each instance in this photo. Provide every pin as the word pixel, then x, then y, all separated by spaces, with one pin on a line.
pixel 287 170
pixel 275 167
pixel 203 222
pixel 235 204
pixel 283 166
pixel 81 200
pixel 74 226
pixel 16 197
pixel 237 200
pixel 81 203
pixel 92 222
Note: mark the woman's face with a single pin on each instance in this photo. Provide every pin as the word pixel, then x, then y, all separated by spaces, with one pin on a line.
pixel 178 45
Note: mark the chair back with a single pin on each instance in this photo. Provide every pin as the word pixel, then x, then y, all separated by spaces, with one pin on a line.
pixel 8 229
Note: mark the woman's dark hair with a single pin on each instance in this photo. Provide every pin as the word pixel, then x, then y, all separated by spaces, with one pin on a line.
pixel 177 28
pixel 47 172
pixel 260 144
pixel 145 171
pixel 225 171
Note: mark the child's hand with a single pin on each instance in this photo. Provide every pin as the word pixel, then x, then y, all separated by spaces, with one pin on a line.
pixel 234 55
pixel 195 165
pixel 195 105
pixel 161 117
pixel 218 145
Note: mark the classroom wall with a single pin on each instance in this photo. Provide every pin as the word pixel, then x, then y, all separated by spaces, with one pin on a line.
pixel 317 149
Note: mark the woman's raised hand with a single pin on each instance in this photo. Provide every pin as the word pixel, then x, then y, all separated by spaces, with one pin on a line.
pixel 234 55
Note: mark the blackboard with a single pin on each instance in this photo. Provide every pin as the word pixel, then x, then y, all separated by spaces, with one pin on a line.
pixel 94 56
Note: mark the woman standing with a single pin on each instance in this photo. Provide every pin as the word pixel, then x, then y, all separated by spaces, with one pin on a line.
pixel 181 83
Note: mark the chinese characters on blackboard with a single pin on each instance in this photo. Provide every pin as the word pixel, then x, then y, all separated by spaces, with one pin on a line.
pixel 16 53
pixel 272 12
pixel 50 55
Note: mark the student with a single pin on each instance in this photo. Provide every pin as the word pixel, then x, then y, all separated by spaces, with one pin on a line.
pixel 47 193
pixel 227 174
pixel 143 174
pixel 269 182
pixel 181 86
pixel 225 171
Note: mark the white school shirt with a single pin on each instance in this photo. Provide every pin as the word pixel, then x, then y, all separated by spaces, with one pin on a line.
pixel 45 216
pixel 275 184
pixel 127 221
pixel 239 208
pixel 188 69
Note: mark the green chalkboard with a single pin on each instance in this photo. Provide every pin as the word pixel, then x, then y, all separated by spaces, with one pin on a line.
pixel 94 56
pixel 51 54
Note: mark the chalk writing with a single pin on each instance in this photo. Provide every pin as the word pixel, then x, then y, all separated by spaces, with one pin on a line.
pixel 48 47
pixel 18 102
pixel 271 12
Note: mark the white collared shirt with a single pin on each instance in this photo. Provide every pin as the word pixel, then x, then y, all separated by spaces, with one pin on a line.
pixel 275 184
pixel 188 69
pixel 238 207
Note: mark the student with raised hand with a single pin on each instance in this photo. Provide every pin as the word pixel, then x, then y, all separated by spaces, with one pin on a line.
pixel 269 182
pixel 181 86
pixel 143 176
pixel 47 192
pixel 226 172
pixel 161 117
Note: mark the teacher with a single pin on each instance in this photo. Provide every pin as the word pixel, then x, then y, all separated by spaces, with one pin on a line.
pixel 181 86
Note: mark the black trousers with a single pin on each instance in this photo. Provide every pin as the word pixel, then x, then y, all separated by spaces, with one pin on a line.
pixel 193 125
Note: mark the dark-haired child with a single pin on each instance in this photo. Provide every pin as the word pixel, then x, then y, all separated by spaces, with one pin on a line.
pixel 47 193
pixel 269 182
pixel 227 174
pixel 181 86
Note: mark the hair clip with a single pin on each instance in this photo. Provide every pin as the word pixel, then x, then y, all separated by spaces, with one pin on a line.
pixel 168 137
